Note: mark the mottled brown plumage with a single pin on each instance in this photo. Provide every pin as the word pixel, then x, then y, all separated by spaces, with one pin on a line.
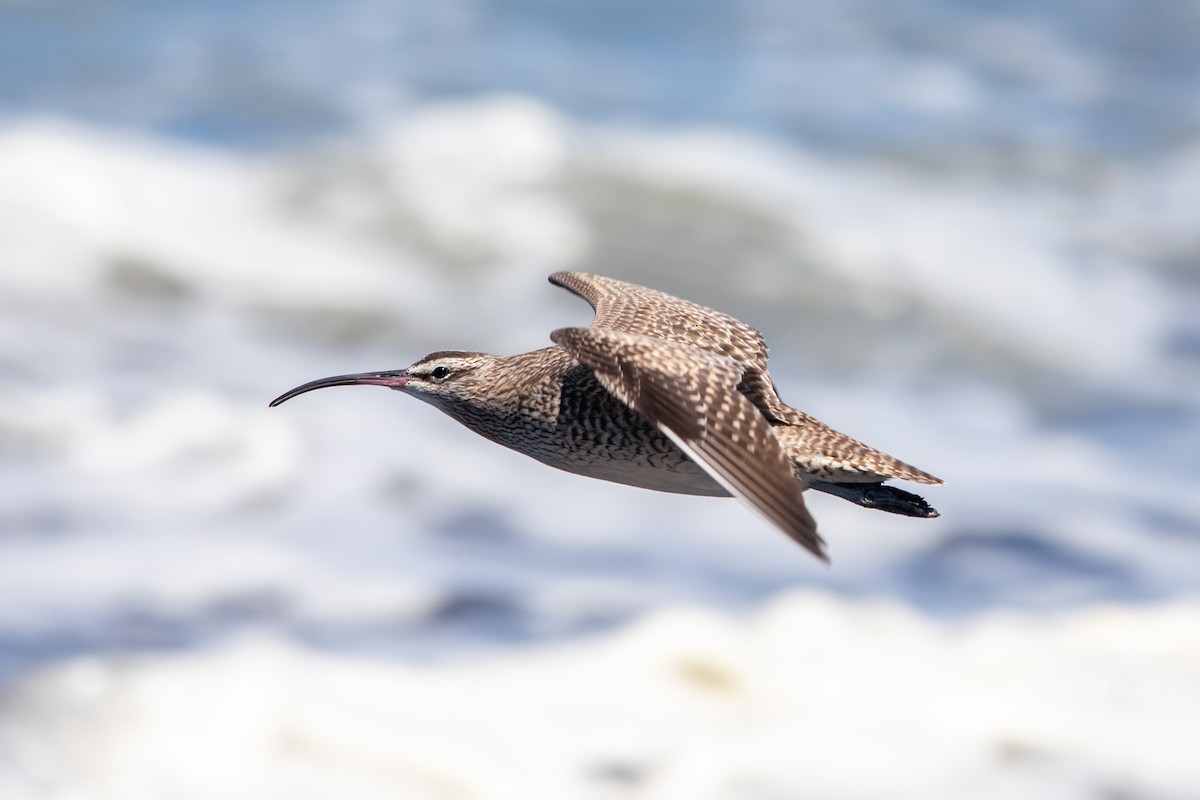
pixel 660 393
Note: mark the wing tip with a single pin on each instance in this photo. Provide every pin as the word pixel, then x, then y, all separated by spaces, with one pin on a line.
pixel 568 279
pixel 567 337
pixel 815 545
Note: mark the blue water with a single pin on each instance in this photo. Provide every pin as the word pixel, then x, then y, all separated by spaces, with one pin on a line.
pixel 1113 77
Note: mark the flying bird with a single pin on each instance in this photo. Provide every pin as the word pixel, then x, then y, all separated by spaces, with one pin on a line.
pixel 660 393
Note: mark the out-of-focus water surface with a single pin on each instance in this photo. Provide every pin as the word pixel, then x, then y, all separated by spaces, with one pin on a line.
pixel 970 231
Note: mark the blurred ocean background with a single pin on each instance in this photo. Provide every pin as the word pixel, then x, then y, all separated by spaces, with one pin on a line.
pixel 969 230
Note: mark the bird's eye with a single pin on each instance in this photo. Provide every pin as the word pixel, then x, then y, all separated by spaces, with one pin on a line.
pixel 440 373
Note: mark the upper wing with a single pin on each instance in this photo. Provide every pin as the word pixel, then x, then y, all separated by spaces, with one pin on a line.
pixel 627 307
pixel 691 395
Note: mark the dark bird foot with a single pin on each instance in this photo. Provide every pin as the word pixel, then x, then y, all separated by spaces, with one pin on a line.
pixel 876 495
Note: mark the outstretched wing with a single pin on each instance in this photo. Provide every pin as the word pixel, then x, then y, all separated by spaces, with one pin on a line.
pixel 691 395
pixel 627 307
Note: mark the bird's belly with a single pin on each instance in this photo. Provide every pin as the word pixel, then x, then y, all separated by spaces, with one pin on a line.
pixel 671 472
pixel 637 455
pixel 570 422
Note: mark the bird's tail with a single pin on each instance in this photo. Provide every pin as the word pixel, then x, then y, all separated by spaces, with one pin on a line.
pixel 876 495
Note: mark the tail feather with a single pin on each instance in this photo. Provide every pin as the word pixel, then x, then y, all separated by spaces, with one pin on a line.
pixel 876 495
pixel 830 454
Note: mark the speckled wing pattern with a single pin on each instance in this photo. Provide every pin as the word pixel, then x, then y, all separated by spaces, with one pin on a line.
pixel 823 453
pixel 631 308
pixel 691 394
pixel 819 452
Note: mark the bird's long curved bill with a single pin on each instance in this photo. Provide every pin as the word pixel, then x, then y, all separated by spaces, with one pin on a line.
pixel 393 379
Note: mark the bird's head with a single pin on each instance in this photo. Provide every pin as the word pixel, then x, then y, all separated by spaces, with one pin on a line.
pixel 439 378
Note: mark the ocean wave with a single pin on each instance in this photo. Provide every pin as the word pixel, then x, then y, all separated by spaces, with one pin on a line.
pixel 156 294
pixel 807 696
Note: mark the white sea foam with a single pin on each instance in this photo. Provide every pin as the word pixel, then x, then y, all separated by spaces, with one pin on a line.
pixel 76 200
pixel 480 179
pixel 809 696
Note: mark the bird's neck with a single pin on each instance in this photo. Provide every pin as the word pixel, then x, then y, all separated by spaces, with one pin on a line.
pixel 516 393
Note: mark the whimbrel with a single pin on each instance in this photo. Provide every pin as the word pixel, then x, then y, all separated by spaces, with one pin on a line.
pixel 660 393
